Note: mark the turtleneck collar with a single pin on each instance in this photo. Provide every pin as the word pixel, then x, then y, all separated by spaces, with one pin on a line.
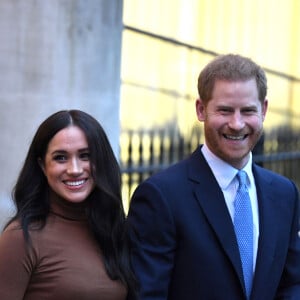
pixel 66 209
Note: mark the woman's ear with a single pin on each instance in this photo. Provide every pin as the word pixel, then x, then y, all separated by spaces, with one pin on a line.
pixel 41 164
pixel 200 110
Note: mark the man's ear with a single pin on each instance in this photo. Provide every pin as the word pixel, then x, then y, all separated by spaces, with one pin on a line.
pixel 200 110
pixel 264 108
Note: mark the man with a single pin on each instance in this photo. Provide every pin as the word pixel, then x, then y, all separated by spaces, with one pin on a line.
pixel 186 221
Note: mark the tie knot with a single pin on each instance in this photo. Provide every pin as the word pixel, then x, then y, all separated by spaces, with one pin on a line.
pixel 242 178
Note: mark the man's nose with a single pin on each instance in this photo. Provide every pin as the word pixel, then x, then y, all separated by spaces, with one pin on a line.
pixel 236 121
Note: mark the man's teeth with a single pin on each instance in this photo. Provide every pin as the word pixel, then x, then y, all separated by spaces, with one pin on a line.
pixel 233 137
pixel 75 183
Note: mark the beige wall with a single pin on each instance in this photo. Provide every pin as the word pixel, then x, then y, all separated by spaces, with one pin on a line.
pixel 57 54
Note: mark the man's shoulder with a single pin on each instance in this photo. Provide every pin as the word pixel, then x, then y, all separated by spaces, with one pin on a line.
pixel 274 178
pixel 174 170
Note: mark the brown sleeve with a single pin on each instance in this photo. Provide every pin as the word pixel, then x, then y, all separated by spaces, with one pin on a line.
pixel 16 264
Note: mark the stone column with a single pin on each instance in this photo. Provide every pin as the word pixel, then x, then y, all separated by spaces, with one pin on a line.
pixel 58 54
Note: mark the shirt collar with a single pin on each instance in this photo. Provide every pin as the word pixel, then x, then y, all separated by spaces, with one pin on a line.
pixel 223 172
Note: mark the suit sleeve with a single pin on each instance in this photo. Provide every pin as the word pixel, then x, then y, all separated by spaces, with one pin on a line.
pixel 153 237
pixel 14 266
pixel 289 288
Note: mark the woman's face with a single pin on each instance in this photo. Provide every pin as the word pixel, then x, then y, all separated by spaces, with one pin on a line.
pixel 67 165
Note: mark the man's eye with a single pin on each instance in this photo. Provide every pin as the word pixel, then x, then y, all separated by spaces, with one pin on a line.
pixel 224 110
pixel 249 111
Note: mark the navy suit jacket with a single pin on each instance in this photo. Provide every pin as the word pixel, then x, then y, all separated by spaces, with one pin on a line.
pixel 183 241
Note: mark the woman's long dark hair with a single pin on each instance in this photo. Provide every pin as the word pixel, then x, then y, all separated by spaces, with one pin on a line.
pixel 105 211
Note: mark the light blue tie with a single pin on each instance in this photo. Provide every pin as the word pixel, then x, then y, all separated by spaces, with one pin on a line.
pixel 243 226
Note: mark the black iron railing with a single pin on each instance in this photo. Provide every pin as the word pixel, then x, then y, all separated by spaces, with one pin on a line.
pixel 150 151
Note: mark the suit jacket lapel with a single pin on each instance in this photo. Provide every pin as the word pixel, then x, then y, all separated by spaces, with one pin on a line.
pixel 267 230
pixel 212 202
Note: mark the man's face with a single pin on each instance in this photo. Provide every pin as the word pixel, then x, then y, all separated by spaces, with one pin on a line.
pixel 233 120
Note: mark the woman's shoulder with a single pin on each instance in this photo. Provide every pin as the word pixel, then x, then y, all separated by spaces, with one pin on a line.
pixel 12 236
pixel 14 225
pixel 15 255
pixel 14 231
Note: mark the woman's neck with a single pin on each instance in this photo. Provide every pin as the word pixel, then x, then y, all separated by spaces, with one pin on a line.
pixel 67 209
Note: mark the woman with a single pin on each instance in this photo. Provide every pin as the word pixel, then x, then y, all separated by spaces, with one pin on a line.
pixel 68 237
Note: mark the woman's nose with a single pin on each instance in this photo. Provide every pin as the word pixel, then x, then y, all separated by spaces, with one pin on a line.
pixel 74 167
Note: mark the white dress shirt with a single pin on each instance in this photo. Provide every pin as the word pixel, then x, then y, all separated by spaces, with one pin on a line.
pixel 225 175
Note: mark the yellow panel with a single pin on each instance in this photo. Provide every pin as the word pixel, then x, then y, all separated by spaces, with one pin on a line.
pixel 160 79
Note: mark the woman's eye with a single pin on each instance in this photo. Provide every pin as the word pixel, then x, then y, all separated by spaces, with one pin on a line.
pixel 85 155
pixel 60 157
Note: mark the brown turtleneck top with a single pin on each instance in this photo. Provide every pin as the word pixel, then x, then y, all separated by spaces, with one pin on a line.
pixel 64 262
